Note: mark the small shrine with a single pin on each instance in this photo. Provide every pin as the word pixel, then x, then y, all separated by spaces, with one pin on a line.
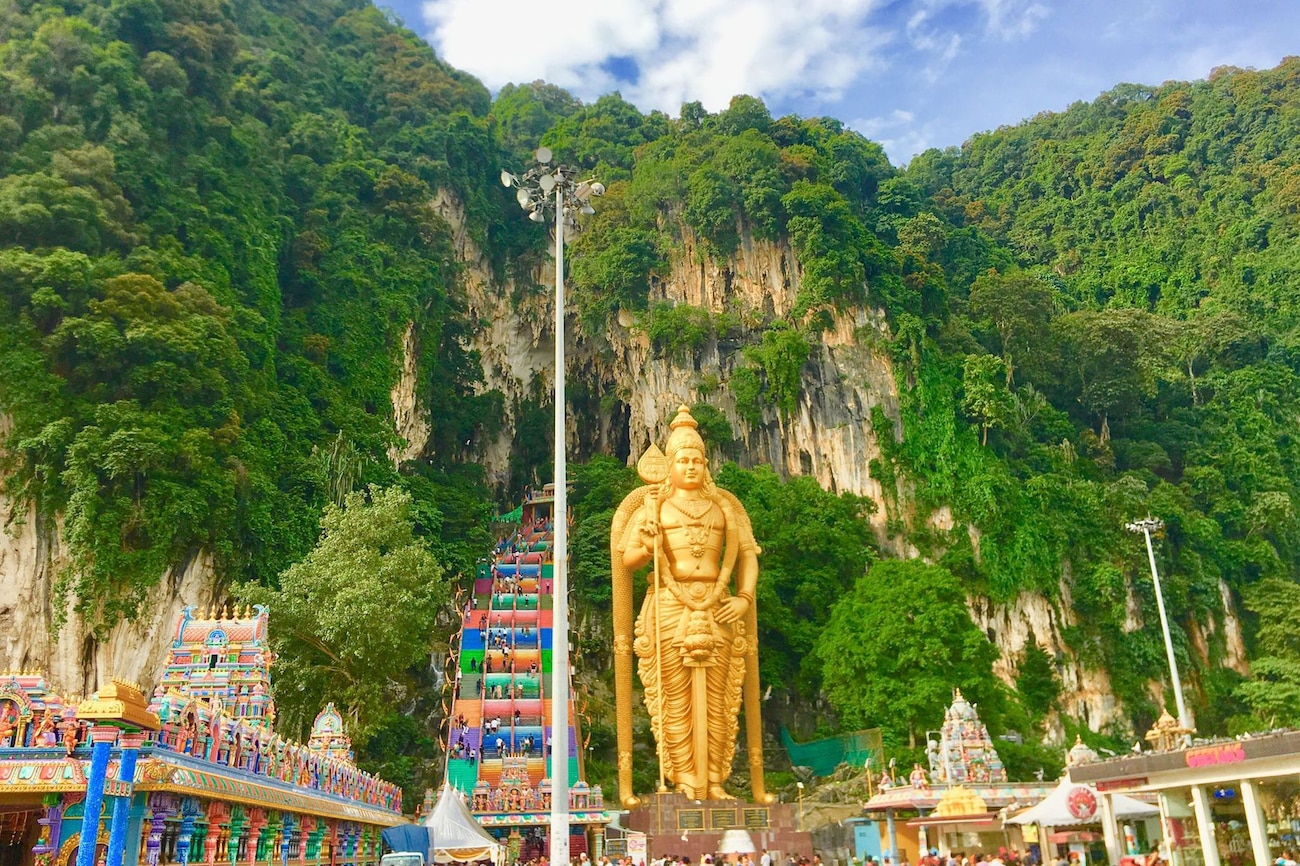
pixel 959 800
pixel 964 752
pixel 328 737
pixel 1080 753
pixel 1167 734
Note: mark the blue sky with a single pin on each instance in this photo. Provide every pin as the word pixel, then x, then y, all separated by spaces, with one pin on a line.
pixel 911 74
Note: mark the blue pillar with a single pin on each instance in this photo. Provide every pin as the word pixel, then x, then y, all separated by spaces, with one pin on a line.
pixel 286 834
pixel 122 805
pixel 189 812
pixel 102 737
pixel 893 836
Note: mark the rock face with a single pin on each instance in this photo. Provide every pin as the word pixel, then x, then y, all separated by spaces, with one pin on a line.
pixel 829 436
pixel 409 416
pixel 73 659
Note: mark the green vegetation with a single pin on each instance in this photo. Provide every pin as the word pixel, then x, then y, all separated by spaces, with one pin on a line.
pixel 369 566
pixel 217 223
pixel 894 646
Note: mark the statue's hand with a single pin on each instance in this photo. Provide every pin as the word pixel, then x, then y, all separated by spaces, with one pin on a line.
pixel 732 609
pixel 648 531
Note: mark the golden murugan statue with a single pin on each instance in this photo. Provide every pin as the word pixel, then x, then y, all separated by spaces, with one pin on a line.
pixel 695 641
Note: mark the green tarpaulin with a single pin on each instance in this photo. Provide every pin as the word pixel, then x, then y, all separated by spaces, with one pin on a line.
pixel 823 756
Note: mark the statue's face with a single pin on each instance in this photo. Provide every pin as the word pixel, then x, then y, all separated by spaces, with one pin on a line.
pixel 688 469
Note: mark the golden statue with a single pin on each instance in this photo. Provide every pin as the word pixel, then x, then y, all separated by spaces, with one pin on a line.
pixel 695 641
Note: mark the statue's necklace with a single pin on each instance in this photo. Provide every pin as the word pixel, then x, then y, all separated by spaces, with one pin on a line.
pixel 697 530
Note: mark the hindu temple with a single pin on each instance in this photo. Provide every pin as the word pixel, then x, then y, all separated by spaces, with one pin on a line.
pixel 957 799
pixel 499 740
pixel 193 774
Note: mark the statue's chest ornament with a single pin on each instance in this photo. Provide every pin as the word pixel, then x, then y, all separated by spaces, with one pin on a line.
pixel 695 528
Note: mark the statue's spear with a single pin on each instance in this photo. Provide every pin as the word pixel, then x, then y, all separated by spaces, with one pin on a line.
pixel 653 469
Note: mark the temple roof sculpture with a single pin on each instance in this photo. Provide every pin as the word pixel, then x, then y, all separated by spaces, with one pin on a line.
pixel 223 656
pixel 1080 753
pixel 328 736
pixel 964 752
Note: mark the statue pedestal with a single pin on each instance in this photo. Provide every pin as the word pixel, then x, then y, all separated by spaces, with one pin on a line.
pixel 667 818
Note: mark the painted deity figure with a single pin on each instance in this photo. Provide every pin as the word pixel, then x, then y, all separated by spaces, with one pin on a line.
pixel 695 636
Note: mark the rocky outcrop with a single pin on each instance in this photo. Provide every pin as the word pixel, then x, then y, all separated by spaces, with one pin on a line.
pixel 410 418
pixel 32 554
pixel 1032 618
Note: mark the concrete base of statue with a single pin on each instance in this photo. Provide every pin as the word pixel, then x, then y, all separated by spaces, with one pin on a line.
pixel 674 824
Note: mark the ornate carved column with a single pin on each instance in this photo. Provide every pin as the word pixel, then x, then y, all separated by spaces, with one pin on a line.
pixel 102 737
pixel 51 825
pixel 122 805
pixel 189 813
pixel 286 836
pixel 256 821
pixel 216 813
pixel 306 825
pixel 160 806
pixel 238 830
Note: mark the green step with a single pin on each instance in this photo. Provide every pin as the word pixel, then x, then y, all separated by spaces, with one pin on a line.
pixel 573 768
pixel 462 774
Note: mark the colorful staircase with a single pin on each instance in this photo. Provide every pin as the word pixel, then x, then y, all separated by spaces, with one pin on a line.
pixel 505 662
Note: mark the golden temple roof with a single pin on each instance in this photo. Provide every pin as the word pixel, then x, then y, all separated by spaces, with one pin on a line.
pixel 119 701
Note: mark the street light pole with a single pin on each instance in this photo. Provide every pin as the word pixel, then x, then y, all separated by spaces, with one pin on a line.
pixel 1146 527
pixel 534 190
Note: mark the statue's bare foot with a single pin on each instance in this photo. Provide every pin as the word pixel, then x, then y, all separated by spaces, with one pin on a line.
pixel 717 792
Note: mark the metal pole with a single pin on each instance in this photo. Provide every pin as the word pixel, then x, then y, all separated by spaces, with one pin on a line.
pixel 1183 718
pixel 560 587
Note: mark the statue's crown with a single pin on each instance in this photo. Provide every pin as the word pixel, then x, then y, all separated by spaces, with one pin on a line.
pixel 684 433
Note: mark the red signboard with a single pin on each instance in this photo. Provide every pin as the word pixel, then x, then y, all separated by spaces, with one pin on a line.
pixel 1209 756
pixel 1120 784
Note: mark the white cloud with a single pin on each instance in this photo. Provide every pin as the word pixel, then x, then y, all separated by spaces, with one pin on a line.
pixel 1012 19
pixel 898 133
pixel 708 50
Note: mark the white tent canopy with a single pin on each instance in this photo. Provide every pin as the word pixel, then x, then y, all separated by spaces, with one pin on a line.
pixel 453 832
pixel 1072 804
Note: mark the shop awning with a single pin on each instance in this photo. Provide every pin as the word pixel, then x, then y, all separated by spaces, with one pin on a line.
pixel 1072 804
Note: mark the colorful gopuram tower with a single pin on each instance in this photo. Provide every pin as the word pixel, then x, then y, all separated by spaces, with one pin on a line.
pixel 499 738
pixel 964 752
pixel 219 656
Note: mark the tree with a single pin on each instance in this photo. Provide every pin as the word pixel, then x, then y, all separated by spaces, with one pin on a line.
pixel 897 644
pixel 355 614
pixel 1115 358
pixel 985 400
pixel 1273 691
pixel 1018 306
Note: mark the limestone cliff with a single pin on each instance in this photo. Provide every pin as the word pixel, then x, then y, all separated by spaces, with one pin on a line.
pixel 829 436
pixel 75 660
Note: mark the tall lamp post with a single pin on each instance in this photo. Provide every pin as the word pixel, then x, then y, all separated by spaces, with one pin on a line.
pixel 544 187
pixel 1146 527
